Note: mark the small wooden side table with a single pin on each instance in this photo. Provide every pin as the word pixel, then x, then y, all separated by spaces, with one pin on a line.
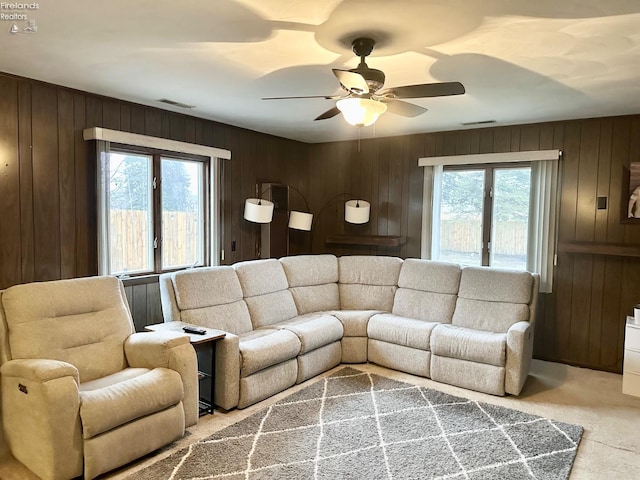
pixel 210 338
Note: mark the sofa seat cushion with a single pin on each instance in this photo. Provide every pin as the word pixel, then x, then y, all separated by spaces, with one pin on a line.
pixel 314 330
pixel 121 376
pixel 354 321
pixel 468 344
pixel 407 332
pixel 109 402
pixel 266 347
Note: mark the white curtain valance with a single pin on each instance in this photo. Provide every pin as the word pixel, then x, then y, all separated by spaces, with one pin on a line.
pixel 127 138
pixel 505 157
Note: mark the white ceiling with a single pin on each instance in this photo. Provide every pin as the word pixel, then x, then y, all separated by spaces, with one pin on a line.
pixel 521 61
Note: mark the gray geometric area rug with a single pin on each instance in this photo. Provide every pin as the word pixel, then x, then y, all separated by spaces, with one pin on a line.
pixel 356 425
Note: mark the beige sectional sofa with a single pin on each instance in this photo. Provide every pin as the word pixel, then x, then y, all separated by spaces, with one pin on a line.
pixel 292 318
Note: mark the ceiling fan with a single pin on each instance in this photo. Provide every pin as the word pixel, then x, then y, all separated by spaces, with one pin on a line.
pixel 365 100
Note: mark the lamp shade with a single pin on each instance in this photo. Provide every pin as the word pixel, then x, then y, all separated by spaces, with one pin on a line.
pixel 258 210
pixel 357 211
pixel 300 220
pixel 361 112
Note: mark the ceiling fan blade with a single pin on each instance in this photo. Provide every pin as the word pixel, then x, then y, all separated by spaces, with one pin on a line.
pixel 327 97
pixel 353 82
pixel 404 109
pixel 332 112
pixel 424 90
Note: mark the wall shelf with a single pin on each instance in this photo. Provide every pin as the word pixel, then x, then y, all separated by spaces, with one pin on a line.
pixel 593 248
pixel 368 240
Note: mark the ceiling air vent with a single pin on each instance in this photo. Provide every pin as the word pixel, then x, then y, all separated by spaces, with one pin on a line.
pixel 481 122
pixel 176 104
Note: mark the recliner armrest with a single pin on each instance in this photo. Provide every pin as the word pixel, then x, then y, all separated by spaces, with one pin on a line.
pixel 152 349
pixel 40 413
pixel 520 328
pixel 40 370
pixel 171 350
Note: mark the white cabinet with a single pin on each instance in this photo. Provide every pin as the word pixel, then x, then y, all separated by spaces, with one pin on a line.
pixel 631 368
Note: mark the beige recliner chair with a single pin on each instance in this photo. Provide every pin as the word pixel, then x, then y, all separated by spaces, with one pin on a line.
pixel 81 392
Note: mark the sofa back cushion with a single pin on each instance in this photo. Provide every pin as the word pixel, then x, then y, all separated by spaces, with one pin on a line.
pixel 491 299
pixel 427 290
pixel 266 291
pixel 82 321
pixel 211 297
pixel 368 282
pixel 313 282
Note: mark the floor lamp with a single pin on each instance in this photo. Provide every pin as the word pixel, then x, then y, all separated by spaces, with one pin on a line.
pixel 259 210
pixel 355 211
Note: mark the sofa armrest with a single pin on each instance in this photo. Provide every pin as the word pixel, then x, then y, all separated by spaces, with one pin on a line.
pixel 171 350
pixel 519 354
pixel 227 388
pixel 170 310
pixel 41 415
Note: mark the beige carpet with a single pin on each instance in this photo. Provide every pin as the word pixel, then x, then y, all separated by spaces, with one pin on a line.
pixel 609 448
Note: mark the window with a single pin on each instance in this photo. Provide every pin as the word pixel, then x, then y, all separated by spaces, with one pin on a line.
pixel 183 220
pixel 497 209
pixel 484 216
pixel 156 205
pixel 129 203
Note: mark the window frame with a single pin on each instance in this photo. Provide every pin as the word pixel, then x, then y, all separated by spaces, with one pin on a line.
pixel 209 202
pixel 487 201
pixel 205 205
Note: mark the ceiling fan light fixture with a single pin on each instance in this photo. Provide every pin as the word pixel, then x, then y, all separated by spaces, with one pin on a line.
pixel 361 112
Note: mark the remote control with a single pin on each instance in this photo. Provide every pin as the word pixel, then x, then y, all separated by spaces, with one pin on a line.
pixel 196 330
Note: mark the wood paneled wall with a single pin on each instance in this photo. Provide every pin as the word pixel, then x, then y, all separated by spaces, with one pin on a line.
pixel 582 321
pixel 47 200
pixel 144 303
pixel 48 175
